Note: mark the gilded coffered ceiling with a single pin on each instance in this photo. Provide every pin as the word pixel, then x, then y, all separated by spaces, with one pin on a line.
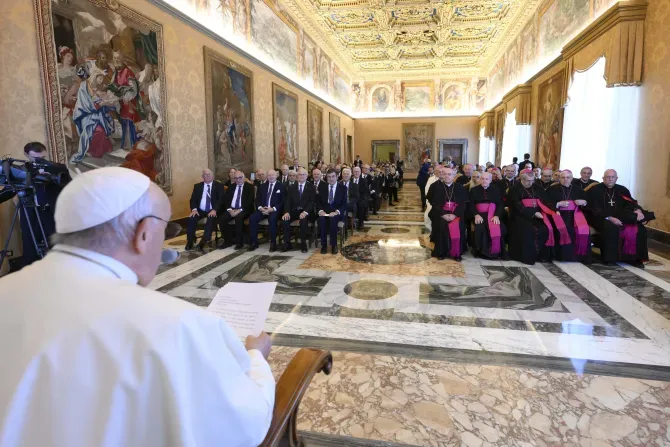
pixel 383 39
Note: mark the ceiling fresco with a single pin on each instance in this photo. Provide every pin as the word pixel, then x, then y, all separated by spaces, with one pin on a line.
pixel 391 39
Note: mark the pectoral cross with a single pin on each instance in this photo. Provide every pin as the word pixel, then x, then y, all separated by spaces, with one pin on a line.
pixel 534 204
pixel 611 202
pixel 449 204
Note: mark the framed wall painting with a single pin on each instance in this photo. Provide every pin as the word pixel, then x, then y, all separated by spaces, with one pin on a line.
pixel 314 132
pixel 103 75
pixel 229 107
pixel 418 143
pixel 285 124
pixel 335 135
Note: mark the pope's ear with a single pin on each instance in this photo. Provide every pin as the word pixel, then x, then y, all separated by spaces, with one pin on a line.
pixel 141 236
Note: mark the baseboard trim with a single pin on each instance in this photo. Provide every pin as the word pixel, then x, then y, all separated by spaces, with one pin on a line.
pixel 658 235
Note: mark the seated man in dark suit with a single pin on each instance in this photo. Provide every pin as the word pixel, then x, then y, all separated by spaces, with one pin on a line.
pixel 320 184
pixel 353 194
pixel 206 199
pixel 331 208
pixel 237 206
pixel 298 205
pixel 270 205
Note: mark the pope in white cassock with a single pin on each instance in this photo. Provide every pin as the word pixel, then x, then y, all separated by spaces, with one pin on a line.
pixel 92 358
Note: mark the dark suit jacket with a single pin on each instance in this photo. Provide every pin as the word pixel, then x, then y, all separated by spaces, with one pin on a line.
pixel 339 202
pixel 323 188
pixel 247 201
pixel 375 184
pixel 353 192
pixel 217 195
pixel 293 201
pixel 277 199
pixel 363 187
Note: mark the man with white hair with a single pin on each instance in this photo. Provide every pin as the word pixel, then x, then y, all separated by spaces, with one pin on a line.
pixel 467 175
pixel 91 356
pixel 364 194
pixel 284 175
pixel 486 205
pixel 206 200
pixel 448 201
pixel 531 233
pixel 238 204
pixel 570 201
pixel 620 222
pixel 298 205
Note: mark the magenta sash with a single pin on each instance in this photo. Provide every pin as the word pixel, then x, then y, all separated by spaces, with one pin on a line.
pixel 454 230
pixel 581 228
pixel 528 203
pixel 494 230
pixel 629 235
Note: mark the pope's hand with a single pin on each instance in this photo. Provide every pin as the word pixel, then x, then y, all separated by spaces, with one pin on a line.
pixel 193 213
pixel 262 343
pixel 478 219
pixel 495 220
pixel 538 215
pixel 212 213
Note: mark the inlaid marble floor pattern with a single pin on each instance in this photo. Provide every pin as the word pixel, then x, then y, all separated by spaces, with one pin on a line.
pixel 437 353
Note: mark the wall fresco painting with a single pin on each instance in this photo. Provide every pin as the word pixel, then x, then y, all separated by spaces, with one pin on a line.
pixel 559 21
pixel 417 97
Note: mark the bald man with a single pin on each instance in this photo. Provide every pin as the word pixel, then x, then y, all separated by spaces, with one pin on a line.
pixel 206 200
pixel 620 222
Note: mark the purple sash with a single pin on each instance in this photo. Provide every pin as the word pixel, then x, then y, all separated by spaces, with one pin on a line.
pixel 454 230
pixel 528 203
pixel 629 233
pixel 494 230
pixel 581 228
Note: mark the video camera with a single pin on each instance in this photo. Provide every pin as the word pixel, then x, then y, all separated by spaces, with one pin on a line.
pixel 22 174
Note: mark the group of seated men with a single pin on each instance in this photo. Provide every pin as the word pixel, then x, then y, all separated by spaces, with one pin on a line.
pixel 537 218
pixel 285 196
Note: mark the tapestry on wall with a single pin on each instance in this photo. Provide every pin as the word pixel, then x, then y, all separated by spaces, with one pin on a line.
pixel 335 139
pixel 500 130
pixel 285 112
pixel 229 99
pixel 550 122
pixel 419 143
pixel 314 132
pixel 103 74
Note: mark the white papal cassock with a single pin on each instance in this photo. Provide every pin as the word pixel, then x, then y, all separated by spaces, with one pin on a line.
pixel 89 358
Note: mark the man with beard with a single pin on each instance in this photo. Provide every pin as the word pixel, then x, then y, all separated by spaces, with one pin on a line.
pixel 448 201
pixel 531 233
pixel 570 200
pixel 584 180
pixel 486 205
pixel 620 221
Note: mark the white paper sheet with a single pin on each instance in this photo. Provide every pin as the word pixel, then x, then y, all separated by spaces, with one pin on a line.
pixel 244 306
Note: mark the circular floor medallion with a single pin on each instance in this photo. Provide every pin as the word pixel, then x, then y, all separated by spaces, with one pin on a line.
pixel 371 289
pixel 395 230
pixel 387 252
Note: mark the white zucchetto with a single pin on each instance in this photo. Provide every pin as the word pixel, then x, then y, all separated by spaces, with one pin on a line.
pixel 97 196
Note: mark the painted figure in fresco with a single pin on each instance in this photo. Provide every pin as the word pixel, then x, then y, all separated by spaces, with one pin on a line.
pixel 289 138
pixel 69 81
pixel 143 155
pixel 244 134
pixel 381 102
pixel 92 116
pixel 453 96
pixel 127 88
pixel 231 134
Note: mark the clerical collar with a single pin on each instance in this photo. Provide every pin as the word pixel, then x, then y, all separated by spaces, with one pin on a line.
pixel 448 184
pixel 107 264
pixel 584 182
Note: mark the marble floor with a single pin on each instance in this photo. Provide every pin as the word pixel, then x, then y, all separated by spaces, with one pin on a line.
pixel 440 353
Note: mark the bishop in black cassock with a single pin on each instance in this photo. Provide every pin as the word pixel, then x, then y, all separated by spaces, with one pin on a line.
pixel 448 201
pixel 487 208
pixel 620 222
pixel 570 201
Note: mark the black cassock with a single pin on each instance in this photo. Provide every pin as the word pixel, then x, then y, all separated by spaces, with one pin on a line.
pixel 580 248
pixel 527 234
pixel 481 238
pixel 440 196
pixel 617 202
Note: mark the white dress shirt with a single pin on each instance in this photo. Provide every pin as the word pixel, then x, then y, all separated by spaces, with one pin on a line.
pixel 238 194
pixel 89 358
pixel 271 190
pixel 203 198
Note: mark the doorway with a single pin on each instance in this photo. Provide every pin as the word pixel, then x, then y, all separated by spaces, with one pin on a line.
pixel 456 148
pixel 384 150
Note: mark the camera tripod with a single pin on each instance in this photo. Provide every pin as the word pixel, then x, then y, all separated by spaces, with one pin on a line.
pixel 26 198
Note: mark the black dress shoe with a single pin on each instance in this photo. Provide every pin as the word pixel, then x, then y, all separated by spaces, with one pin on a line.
pixel 252 247
pixel 239 247
pixel 189 246
pixel 303 248
pixel 637 264
pixel 201 247
pixel 273 247
pixel 324 250
pixel 458 259
pixel 375 213
pixel 285 248
pixel 441 258
pixel 334 249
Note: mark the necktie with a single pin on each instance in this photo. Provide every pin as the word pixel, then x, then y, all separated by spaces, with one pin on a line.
pixel 300 188
pixel 330 196
pixel 356 181
pixel 272 185
pixel 208 200
pixel 238 204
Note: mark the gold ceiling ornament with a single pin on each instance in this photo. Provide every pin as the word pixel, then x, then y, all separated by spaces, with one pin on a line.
pixel 392 39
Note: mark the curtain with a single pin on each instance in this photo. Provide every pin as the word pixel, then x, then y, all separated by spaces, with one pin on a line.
pixel 600 126
pixel 487 148
pixel 516 140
